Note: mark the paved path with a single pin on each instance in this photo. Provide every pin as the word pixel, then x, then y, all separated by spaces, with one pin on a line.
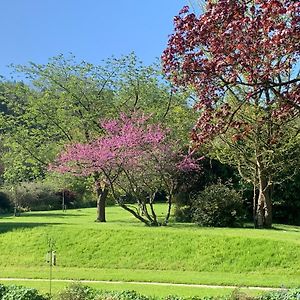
pixel 148 283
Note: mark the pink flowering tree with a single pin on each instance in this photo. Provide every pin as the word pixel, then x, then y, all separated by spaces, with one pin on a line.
pixel 241 58
pixel 133 157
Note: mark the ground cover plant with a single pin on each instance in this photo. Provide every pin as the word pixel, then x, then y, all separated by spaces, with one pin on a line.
pixel 79 291
pixel 88 293
pixel 145 289
pixel 123 249
pixel 15 292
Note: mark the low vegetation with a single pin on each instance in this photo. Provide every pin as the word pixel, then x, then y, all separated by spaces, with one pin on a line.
pixel 15 292
pixel 78 291
pixel 219 206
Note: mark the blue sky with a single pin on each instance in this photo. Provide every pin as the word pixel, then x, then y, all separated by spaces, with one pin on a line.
pixel 34 30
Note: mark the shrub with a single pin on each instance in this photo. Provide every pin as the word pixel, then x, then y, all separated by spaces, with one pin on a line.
pixel 38 196
pixel 292 294
pixel 77 291
pixel 21 293
pixel 31 196
pixel 218 205
pixel 122 295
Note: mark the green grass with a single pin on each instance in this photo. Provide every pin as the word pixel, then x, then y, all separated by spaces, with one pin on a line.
pixel 124 249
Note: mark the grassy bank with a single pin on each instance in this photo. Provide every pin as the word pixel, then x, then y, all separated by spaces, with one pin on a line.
pixel 123 249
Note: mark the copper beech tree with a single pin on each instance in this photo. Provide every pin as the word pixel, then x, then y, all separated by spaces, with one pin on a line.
pixel 133 157
pixel 241 59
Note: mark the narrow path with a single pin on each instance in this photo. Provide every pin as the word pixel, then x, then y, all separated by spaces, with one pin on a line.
pixel 148 283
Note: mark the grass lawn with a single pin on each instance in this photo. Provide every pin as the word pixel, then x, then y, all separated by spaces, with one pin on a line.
pixel 124 249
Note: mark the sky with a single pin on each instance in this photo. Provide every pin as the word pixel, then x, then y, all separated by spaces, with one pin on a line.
pixel 92 30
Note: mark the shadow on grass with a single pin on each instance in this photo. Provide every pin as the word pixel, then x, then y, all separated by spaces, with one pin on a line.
pixel 50 215
pixel 287 228
pixel 246 226
pixel 10 226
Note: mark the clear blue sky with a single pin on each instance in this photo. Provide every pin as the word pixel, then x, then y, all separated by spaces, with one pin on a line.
pixel 34 30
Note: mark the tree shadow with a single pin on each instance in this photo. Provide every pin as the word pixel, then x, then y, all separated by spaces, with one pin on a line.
pixel 11 226
pixel 286 228
pixel 50 215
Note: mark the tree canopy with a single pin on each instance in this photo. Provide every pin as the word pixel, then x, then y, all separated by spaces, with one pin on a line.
pixel 241 58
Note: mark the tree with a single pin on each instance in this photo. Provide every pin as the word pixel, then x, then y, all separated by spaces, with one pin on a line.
pixel 134 157
pixel 64 102
pixel 241 58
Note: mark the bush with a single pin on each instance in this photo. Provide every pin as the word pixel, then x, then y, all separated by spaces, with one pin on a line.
pixel 210 172
pixel 20 293
pixel 122 295
pixel 35 196
pixel 218 205
pixel 38 196
pixel 77 291
pixel 292 294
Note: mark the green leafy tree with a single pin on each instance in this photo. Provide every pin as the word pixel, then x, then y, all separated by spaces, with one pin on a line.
pixel 64 102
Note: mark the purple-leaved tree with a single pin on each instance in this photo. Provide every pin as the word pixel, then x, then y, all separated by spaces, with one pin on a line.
pixel 242 60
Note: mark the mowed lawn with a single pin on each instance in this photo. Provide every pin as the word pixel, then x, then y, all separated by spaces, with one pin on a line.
pixel 126 250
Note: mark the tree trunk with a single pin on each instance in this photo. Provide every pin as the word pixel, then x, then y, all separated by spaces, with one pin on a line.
pixel 166 221
pixel 154 217
pixel 264 202
pixel 101 203
pixel 146 222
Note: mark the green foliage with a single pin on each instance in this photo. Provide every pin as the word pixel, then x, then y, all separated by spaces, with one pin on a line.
pixel 77 291
pixel 292 294
pixel 82 187
pixel 20 293
pixel 34 196
pixel 218 205
pixel 122 295
pixel 37 196
pixel 189 184
pixel 3 289
pixel 66 99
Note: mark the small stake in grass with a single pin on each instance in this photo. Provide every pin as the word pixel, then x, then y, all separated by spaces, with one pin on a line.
pixel 51 260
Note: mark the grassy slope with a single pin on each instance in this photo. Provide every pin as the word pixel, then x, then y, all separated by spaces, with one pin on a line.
pixel 123 249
